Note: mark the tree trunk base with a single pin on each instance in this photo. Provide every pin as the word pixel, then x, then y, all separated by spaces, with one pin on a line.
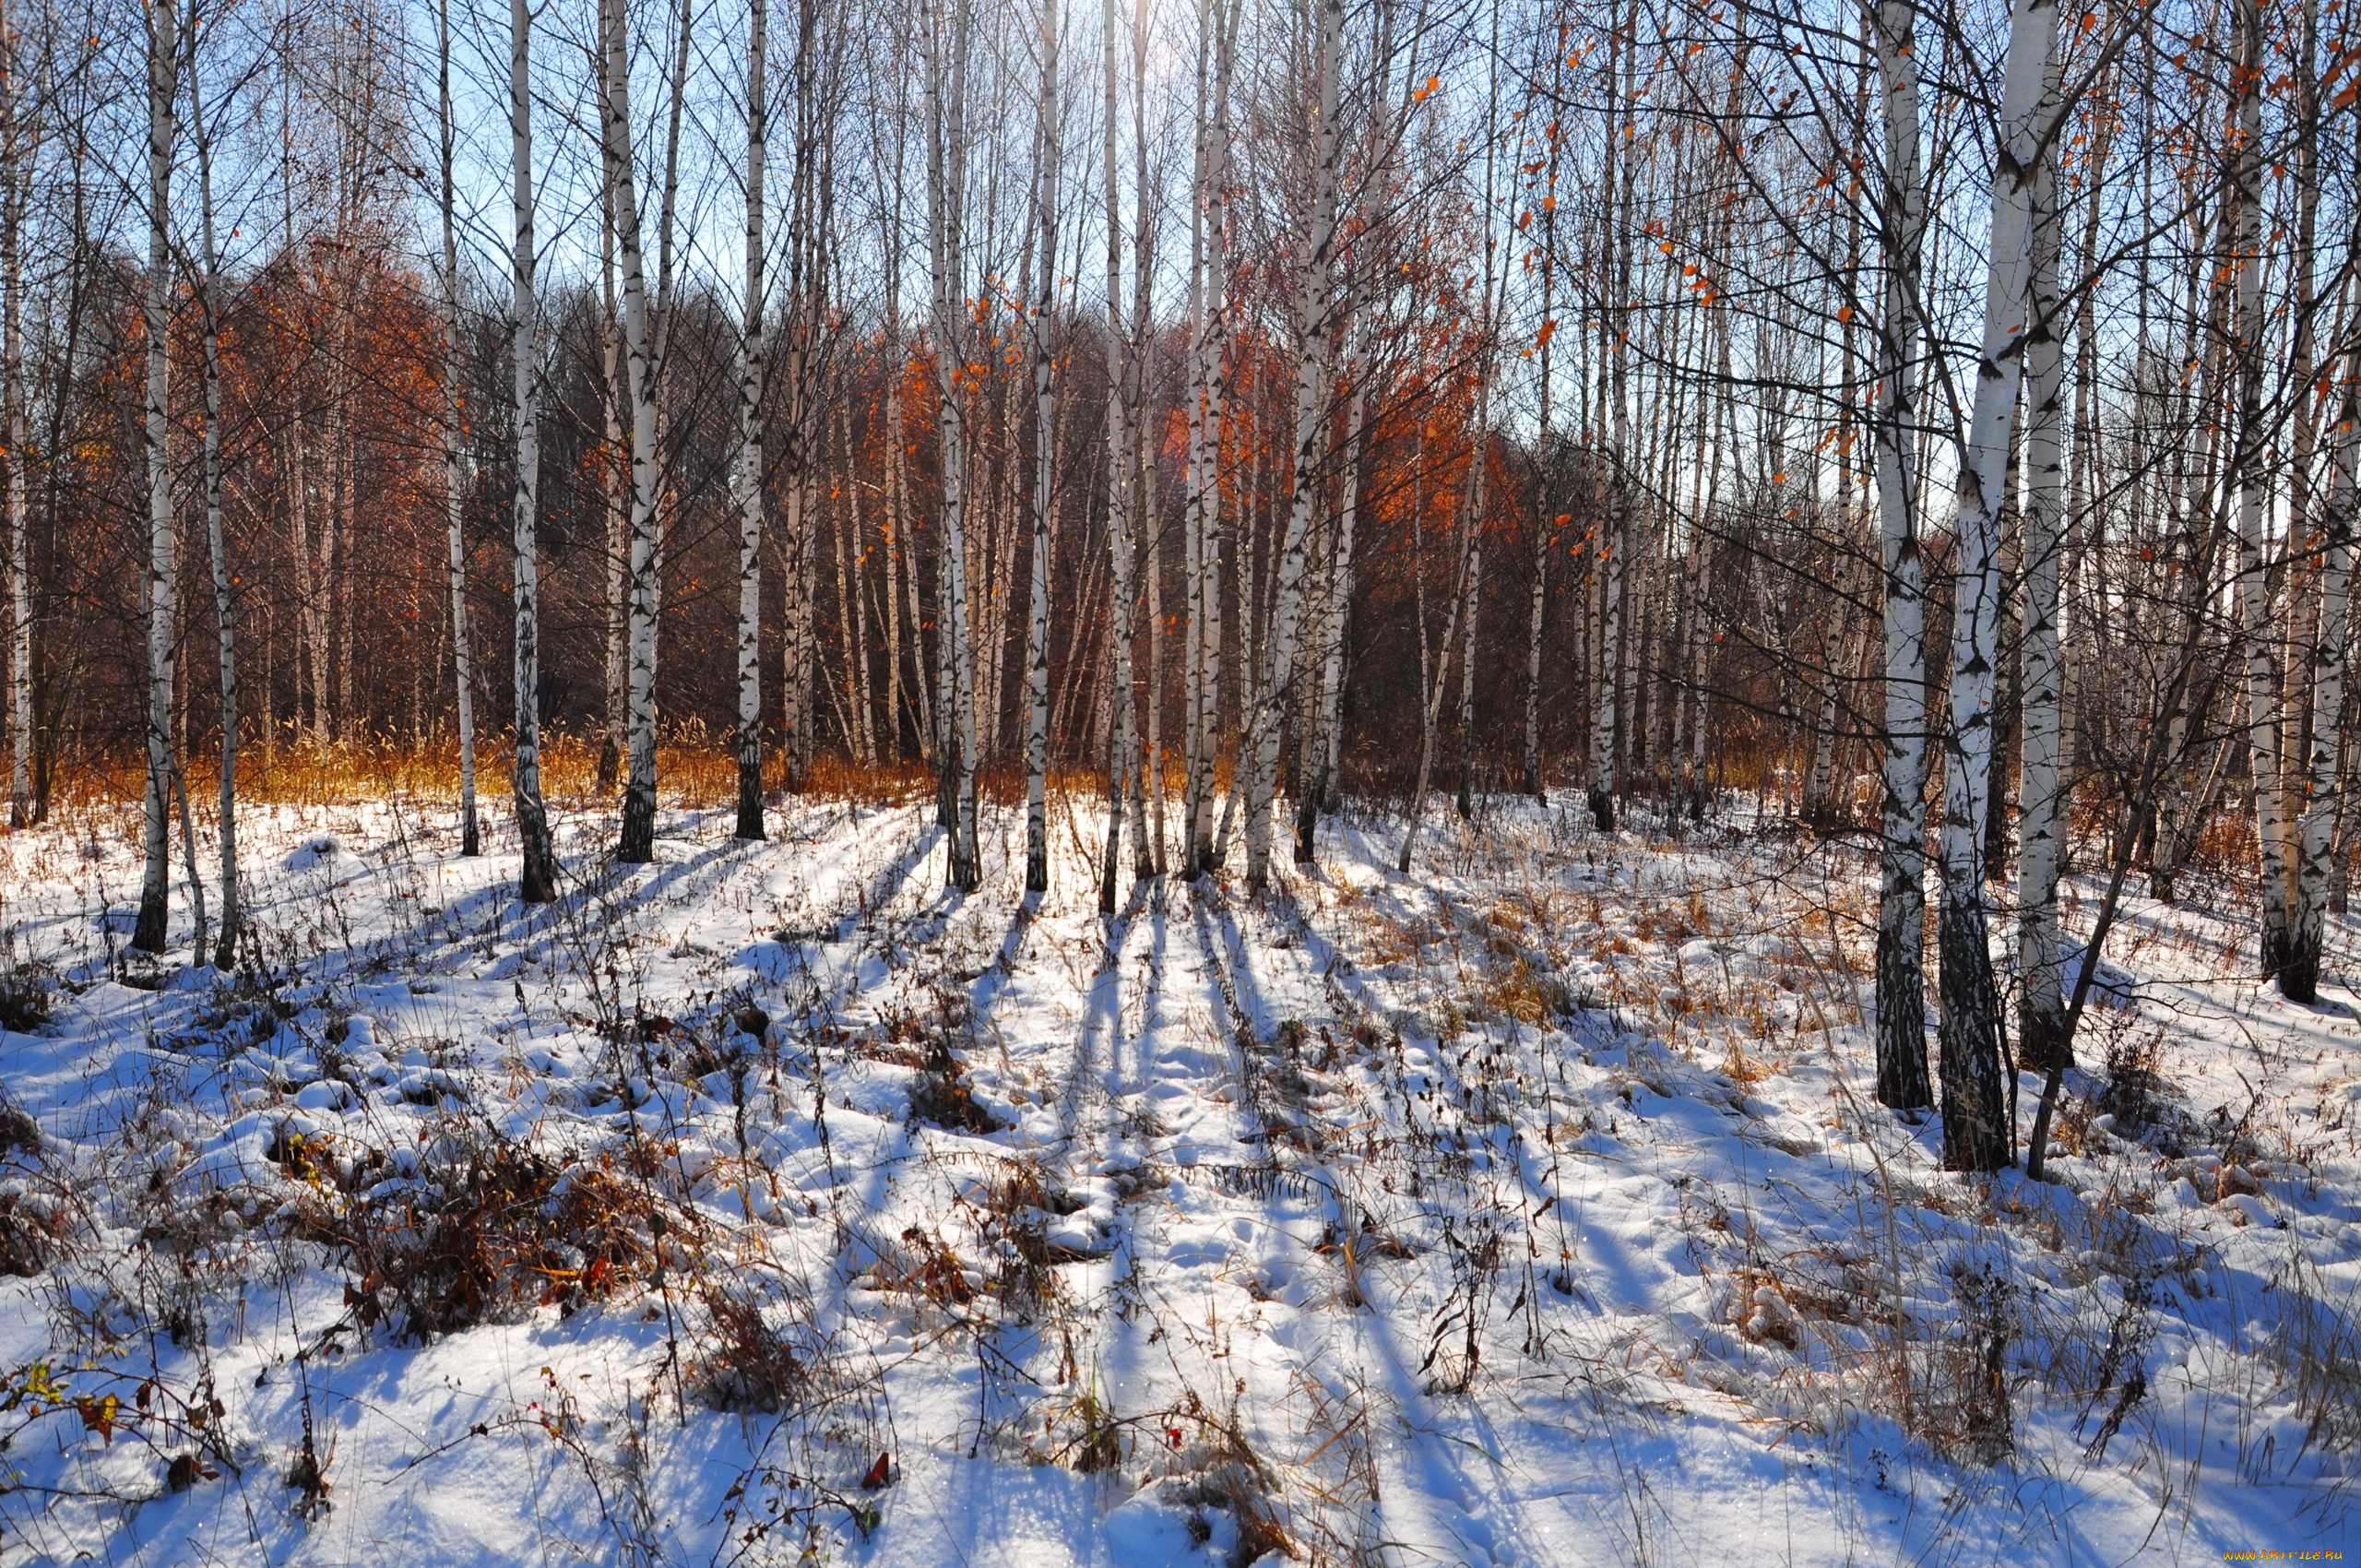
pixel 2299 971
pixel 1976 1131
pixel 636 846
pixel 148 933
pixel 750 798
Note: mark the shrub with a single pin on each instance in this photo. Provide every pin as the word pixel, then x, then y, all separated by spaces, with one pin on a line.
pixel 746 1364
pixel 491 1228
pixel 1968 1411
pixel 940 1093
pixel 28 996
pixel 2134 1091
pixel 28 1237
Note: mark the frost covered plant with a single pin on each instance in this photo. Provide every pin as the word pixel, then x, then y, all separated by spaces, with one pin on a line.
pixel 941 1094
pixel 27 992
pixel 744 1361
pixel 1966 1407
pixel 482 1226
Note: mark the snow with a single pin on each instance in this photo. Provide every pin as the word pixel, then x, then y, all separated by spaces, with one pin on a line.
pixel 1530 1209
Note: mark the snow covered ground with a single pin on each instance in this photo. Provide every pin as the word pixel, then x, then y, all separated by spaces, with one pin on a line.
pixel 768 1205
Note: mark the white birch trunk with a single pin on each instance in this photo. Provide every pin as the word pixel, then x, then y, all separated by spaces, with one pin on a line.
pixel 13 397
pixel 2329 653
pixel 13 177
pixel 1901 1007
pixel 1319 790
pixel 1467 800
pixel 1975 1135
pixel 1123 469
pixel 750 496
pixel 1144 510
pixel 799 440
pixel 1607 703
pixel 537 882
pixel 2299 974
pixel 1037 640
pixel 1208 393
pixel 217 546
pixel 1314 274
pixel 635 845
pixel 455 459
pixel 947 42
pixel 1544 546
pixel 164 567
pixel 2041 823
pixel 613 484
pixel 2258 629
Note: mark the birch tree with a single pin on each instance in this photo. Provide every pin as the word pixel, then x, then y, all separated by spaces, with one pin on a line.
pixel 14 179
pixel 636 843
pixel 1901 891
pixel 1543 532
pixel 455 476
pixel 1328 742
pixel 1976 1134
pixel 1125 468
pixel 2329 654
pixel 1607 704
pixel 163 575
pixel 751 497
pixel 1036 641
pixel 217 544
pixel 2256 632
pixel 537 881
pixel 1315 268
pixel 2041 1010
pixel 948 34
pixel 800 429
pixel 1434 689
pixel 1208 269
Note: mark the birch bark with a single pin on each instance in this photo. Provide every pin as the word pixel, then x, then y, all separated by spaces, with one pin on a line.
pixel 749 476
pixel 1037 638
pixel 1319 790
pixel 2330 655
pixel 13 177
pixel 1122 468
pixel 1315 274
pixel 536 882
pixel 636 843
pixel 164 566
pixel 2257 628
pixel 1145 512
pixel 1545 531
pixel 1976 1135
pixel 1430 700
pixel 1607 699
pixel 2041 1007
pixel 947 47
pixel 1207 415
pixel 1901 1005
pixel 455 456
pixel 217 547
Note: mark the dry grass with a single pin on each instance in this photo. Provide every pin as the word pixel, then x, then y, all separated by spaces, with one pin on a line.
pixel 499 1227
pixel 696 770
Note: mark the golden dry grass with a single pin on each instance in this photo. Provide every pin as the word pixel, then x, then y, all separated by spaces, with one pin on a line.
pixel 693 771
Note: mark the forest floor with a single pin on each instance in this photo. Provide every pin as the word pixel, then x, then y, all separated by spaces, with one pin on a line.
pixel 769 1203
